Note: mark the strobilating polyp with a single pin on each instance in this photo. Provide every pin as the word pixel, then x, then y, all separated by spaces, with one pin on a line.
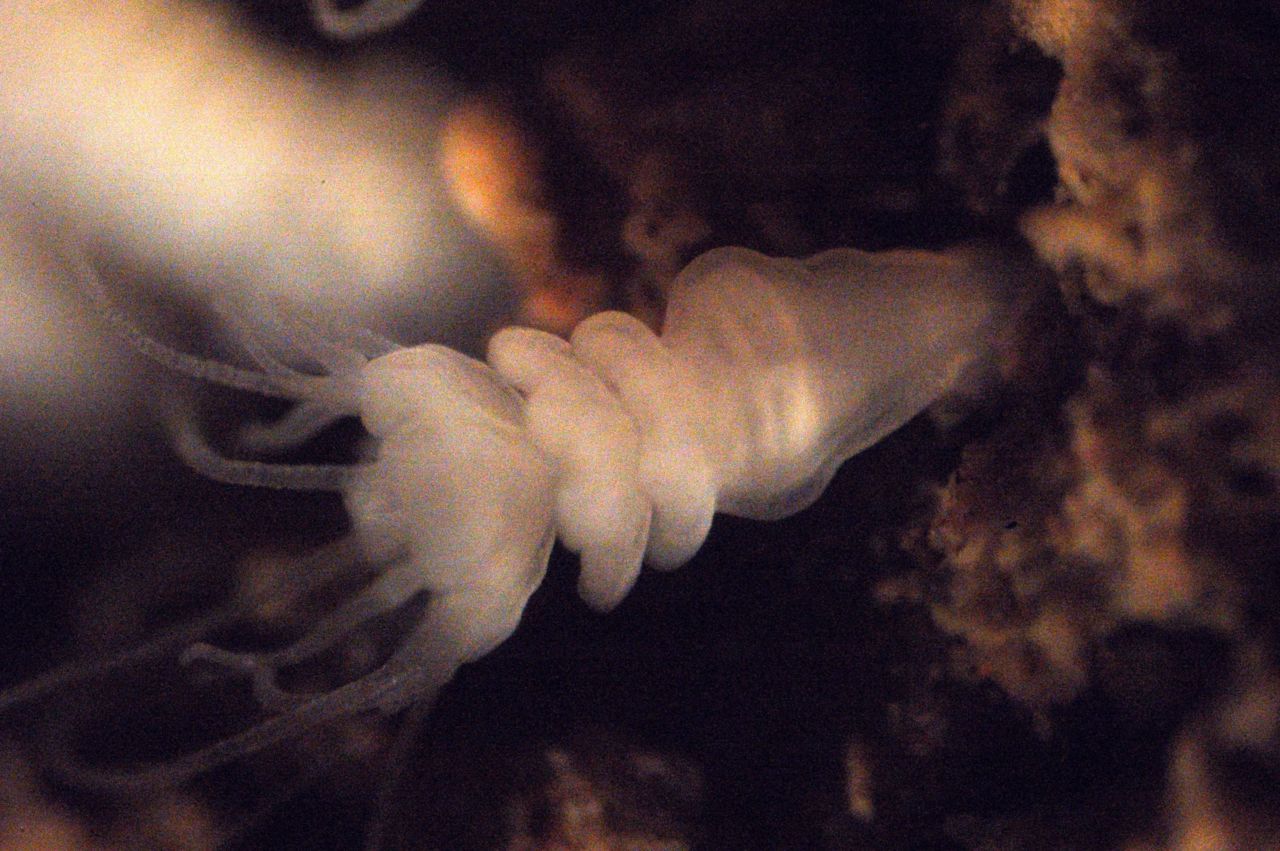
pixel 620 442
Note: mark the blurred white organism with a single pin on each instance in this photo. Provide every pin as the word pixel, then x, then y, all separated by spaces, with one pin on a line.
pixel 196 154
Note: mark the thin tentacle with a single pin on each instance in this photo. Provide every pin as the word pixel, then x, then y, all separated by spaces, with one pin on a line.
pixel 300 424
pixel 250 338
pixel 405 674
pixel 364 340
pixel 302 336
pixel 190 365
pixel 337 389
pixel 195 451
pixel 387 592
pixel 457 628
pixel 293 387
pixel 355 338
pixel 166 642
pixel 275 340
pixel 315 570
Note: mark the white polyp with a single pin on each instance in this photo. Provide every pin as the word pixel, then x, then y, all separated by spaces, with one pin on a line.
pixel 768 375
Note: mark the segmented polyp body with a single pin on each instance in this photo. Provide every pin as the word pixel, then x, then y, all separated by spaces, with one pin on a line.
pixel 768 374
